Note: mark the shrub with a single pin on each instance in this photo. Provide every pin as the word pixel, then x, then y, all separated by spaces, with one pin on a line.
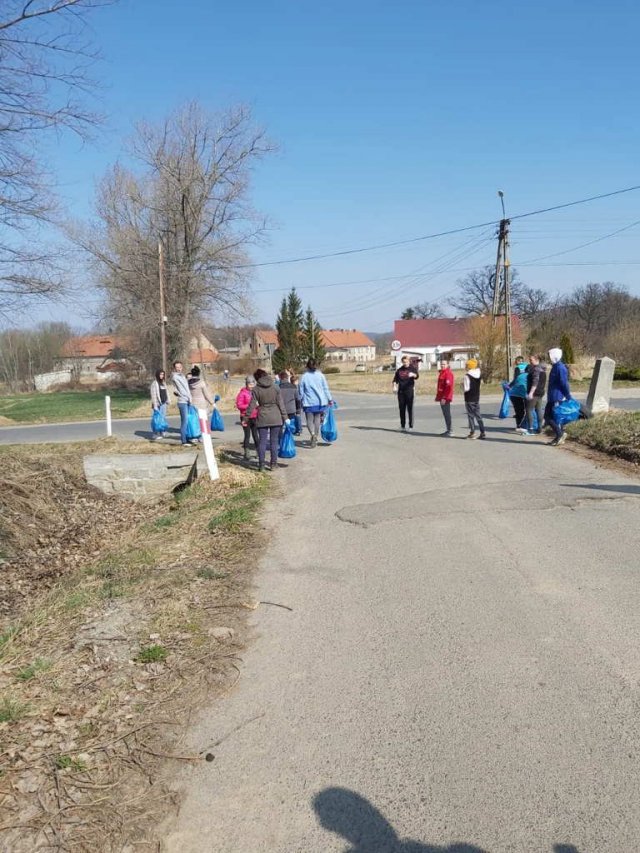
pixel 331 370
pixel 628 374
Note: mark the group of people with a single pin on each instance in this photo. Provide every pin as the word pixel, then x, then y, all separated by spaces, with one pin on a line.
pixel 266 404
pixel 526 392
pixel 189 390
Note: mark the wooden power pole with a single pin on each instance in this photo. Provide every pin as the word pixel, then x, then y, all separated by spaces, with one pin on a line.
pixel 163 317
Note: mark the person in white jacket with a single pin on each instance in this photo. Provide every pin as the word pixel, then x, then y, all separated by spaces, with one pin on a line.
pixel 182 392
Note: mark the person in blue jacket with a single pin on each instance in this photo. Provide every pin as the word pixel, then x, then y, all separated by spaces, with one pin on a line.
pixel 557 391
pixel 518 393
pixel 315 397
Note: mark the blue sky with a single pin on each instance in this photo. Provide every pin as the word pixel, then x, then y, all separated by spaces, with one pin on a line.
pixel 395 120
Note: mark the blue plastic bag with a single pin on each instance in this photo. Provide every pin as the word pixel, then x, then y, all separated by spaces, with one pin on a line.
pixel 566 412
pixel 287 448
pixel 217 424
pixel 158 421
pixel 193 424
pixel 505 408
pixel 329 431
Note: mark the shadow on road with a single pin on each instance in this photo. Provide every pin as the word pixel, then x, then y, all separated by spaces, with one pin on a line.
pixel 601 487
pixel 346 813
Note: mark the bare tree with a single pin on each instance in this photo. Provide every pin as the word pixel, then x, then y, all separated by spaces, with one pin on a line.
pixel 475 292
pixel 422 311
pixel 191 191
pixel 44 63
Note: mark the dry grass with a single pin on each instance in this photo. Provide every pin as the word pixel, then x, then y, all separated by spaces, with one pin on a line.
pixel 616 433
pixel 100 671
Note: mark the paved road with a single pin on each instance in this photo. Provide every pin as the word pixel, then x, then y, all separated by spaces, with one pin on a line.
pixel 368 406
pixel 460 666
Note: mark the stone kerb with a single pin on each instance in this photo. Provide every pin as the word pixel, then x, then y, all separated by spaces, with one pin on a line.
pixel 140 477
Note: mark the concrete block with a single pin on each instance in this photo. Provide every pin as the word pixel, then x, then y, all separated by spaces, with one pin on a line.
pixel 599 396
pixel 140 476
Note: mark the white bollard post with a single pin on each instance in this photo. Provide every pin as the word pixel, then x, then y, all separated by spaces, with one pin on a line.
pixel 107 407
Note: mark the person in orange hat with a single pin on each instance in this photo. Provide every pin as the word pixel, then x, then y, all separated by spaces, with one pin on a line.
pixel 471 388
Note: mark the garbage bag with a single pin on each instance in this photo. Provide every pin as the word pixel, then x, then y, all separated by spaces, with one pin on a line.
pixel 158 421
pixel 193 424
pixel 217 424
pixel 287 448
pixel 505 408
pixel 329 430
pixel 566 412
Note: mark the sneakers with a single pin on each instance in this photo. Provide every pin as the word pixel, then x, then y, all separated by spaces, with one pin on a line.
pixel 553 442
pixel 403 429
pixel 447 434
pixel 562 439
pixel 521 431
pixel 483 435
pixel 314 441
pixel 472 435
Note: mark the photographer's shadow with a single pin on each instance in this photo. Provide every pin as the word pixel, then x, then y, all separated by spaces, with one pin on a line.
pixel 355 819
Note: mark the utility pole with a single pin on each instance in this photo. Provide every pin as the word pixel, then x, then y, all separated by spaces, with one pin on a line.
pixel 163 317
pixel 502 284
pixel 313 338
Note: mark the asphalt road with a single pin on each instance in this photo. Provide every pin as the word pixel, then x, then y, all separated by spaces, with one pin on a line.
pixel 368 406
pixel 460 667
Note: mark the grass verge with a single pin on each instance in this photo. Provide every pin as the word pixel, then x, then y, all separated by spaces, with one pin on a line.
pixel 61 406
pixel 103 663
pixel 616 433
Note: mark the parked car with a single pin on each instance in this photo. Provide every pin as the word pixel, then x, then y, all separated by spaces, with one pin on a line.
pixel 361 368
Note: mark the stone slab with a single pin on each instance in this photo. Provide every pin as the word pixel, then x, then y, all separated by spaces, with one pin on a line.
pixel 599 396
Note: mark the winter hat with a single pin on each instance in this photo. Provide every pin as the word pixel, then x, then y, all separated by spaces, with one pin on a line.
pixel 472 364
pixel 555 355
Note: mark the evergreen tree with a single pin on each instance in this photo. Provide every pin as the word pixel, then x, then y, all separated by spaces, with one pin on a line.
pixel 289 326
pixel 312 338
pixel 567 348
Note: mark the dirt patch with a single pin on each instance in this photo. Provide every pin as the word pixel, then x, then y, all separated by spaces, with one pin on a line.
pixel 6 421
pixel 128 624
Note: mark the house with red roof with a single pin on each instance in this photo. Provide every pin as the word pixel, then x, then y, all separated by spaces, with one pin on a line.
pixel 347 345
pixel 438 338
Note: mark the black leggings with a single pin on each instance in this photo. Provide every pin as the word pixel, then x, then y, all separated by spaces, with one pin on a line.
pixel 520 409
pixel 250 432
pixel 405 404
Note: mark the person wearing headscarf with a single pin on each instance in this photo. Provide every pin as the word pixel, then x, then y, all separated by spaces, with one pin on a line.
pixel 558 391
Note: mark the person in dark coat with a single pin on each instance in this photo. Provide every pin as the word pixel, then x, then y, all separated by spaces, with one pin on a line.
pixel 403 384
pixel 536 386
pixel 290 394
pixel 271 415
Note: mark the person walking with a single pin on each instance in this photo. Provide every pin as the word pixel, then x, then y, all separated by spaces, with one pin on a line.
pixel 159 399
pixel 536 386
pixel 444 394
pixel 518 393
pixel 272 414
pixel 182 392
pixel 290 395
pixel 558 392
pixel 200 395
pixel 403 385
pixel 314 397
pixel 249 427
pixel 471 388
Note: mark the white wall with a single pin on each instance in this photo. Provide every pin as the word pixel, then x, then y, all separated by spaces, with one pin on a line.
pixel 44 381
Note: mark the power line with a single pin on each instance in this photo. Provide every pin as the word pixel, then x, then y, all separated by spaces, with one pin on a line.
pixel 437 234
pixel 589 243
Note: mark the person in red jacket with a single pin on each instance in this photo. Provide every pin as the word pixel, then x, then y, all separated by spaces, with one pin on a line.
pixel 444 394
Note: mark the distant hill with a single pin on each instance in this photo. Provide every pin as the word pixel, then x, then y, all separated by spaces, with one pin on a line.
pixel 382 340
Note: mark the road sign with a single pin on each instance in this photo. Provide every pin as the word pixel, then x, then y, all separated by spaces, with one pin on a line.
pixel 396 345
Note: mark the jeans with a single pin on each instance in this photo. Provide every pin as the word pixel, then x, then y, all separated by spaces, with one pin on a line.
pixel 534 405
pixel 314 420
pixel 270 434
pixel 520 409
pixel 473 415
pixel 183 408
pixel 250 432
pixel 445 405
pixel 548 418
pixel 405 404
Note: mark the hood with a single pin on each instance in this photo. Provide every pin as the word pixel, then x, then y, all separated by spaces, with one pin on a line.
pixel 265 381
pixel 475 372
pixel 555 355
